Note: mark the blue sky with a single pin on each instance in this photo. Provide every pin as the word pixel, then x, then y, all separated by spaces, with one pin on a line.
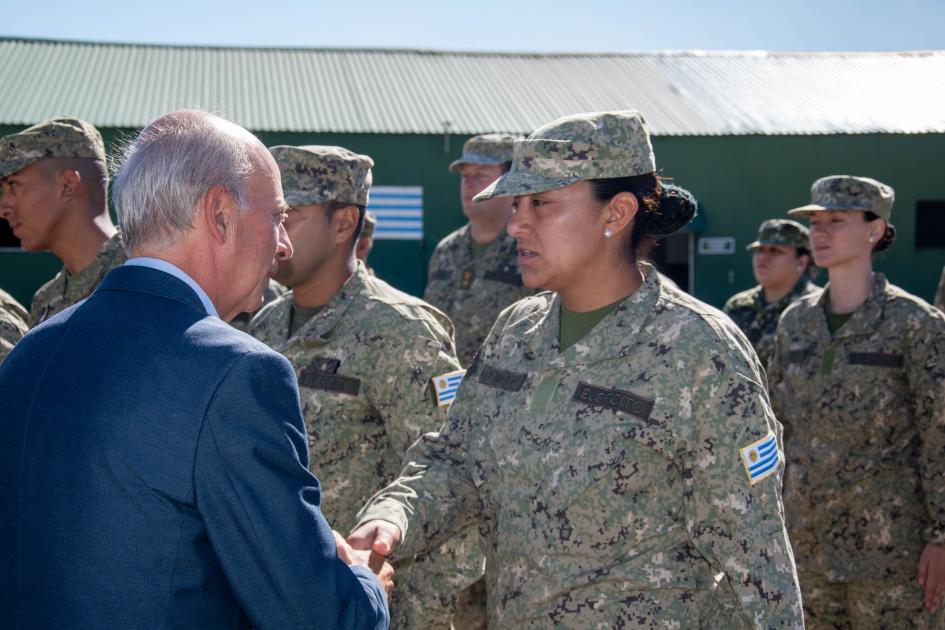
pixel 509 25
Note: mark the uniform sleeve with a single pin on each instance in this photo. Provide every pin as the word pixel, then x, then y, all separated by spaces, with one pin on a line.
pixel 434 264
pixel 406 399
pixel 940 292
pixel 261 508
pixel 735 517
pixel 925 370
pixel 434 497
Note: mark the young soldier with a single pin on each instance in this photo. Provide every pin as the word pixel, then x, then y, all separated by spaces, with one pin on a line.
pixel 55 197
pixel 376 367
pixel 473 272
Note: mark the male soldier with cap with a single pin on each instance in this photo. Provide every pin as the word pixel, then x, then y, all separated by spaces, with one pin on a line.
pixel 376 367
pixel 473 272
pixel 55 197
pixel 13 318
pixel 781 264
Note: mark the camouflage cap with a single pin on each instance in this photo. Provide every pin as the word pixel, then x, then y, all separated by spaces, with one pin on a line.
pixel 584 146
pixel 781 232
pixel 54 138
pixel 846 192
pixel 315 174
pixel 489 148
pixel 370 225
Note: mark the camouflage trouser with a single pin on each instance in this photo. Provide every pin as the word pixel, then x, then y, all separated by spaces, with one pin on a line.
pixel 426 590
pixel 866 604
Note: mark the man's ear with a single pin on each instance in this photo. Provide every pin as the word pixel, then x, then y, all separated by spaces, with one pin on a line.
pixel 69 182
pixel 344 222
pixel 620 211
pixel 216 213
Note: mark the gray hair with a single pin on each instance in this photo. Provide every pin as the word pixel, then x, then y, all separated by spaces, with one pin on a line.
pixel 172 163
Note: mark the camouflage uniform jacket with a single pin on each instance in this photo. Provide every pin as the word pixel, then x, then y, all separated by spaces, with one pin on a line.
pixel 607 479
pixel 12 323
pixel 66 289
pixel 364 364
pixel 473 291
pixel 759 319
pixel 864 418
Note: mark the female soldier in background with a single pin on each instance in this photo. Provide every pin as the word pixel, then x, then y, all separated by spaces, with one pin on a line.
pixel 858 380
pixel 781 263
pixel 613 438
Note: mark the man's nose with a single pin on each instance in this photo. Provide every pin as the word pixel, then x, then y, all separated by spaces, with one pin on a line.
pixel 283 245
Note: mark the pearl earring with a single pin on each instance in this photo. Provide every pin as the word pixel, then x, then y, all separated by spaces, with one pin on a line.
pixel 608 233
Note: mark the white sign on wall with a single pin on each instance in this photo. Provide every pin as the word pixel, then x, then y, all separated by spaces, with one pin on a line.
pixel 717 245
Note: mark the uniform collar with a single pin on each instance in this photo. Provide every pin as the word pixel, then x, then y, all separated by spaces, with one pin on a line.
pixel 614 336
pixel 865 320
pixel 322 326
pixel 501 247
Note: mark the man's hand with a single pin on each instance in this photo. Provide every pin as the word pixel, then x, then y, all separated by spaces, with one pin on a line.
pixel 378 536
pixel 932 574
pixel 374 561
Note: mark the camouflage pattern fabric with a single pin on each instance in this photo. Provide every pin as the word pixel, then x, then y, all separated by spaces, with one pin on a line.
pixel 759 319
pixel 473 290
pixel 272 291
pixel 781 232
pixel 365 364
pixel 940 292
pixel 13 326
pixel 864 418
pixel 488 148
pixel 608 480
pixel 55 138
pixel 315 174
pixel 847 192
pixel 574 148
pixel 66 289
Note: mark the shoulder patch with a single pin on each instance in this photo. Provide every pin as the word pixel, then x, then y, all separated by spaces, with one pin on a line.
pixel 445 386
pixel 761 458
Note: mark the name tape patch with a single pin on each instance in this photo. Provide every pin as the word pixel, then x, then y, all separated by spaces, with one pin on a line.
pixel 506 274
pixel 616 399
pixel 761 458
pixel 445 386
pixel 321 374
pixel 502 379
pixel 876 359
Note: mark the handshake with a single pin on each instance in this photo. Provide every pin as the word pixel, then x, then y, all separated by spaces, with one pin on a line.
pixel 368 546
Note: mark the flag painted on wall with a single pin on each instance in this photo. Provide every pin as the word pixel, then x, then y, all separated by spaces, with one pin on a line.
pixel 399 212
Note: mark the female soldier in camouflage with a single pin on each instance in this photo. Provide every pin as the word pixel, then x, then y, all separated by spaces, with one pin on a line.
pixel 781 263
pixel 613 438
pixel 857 379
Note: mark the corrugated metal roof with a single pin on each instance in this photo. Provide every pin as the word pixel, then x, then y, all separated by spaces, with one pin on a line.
pixel 412 91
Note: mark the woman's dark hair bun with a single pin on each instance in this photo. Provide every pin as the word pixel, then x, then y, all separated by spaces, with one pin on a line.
pixel 677 208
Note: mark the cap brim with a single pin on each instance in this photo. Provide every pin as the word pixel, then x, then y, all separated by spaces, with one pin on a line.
pixel 522 183
pixel 806 211
pixel 457 165
pixel 307 198
pixel 10 167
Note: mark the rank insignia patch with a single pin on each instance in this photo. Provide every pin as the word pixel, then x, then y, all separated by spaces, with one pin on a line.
pixel 761 458
pixel 445 386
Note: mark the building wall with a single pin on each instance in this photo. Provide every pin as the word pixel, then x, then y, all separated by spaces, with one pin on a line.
pixel 739 181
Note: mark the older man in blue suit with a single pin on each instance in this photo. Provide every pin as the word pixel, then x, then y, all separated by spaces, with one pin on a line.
pixel 153 460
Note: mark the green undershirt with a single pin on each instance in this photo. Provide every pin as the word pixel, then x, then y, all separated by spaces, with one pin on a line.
pixel 575 326
pixel 300 316
pixel 835 320
pixel 477 249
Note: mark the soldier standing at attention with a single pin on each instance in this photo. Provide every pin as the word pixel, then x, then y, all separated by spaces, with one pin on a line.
pixel 613 438
pixel 376 367
pixel 781 264
pixel 55 197
pixel 13 326
pixel 473 273
pixel 858 379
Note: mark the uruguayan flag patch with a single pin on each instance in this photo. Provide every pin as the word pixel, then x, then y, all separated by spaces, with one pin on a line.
pixel 445 386
pixel 761 458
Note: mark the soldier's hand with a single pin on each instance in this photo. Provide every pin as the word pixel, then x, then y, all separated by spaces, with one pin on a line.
pixel 932 574
pixel 373 561
pixel 378 536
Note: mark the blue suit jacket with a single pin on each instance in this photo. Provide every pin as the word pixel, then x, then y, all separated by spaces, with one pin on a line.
pixel 153 474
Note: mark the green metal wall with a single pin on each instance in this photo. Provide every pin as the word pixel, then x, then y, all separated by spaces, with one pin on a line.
pixel 739 181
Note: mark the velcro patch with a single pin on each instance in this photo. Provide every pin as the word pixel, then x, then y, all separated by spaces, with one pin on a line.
pixel 445 386
pixel 761 458
pixel 506 273
pixel 321 374
pixel 502 379
pixel 616 399
pixel 876 359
